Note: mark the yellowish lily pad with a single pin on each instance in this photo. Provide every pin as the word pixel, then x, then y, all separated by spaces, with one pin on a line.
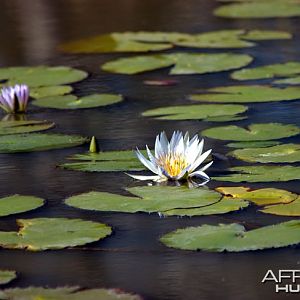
pixel 291 209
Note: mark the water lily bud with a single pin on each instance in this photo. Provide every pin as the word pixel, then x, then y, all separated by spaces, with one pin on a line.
pixel 94 145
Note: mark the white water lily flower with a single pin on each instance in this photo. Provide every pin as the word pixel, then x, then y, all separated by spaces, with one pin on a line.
pixel 175 160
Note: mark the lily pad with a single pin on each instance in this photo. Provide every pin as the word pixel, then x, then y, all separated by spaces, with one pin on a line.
pixel 72 102
pixel 65 293
pixel 259 9
pixel 261 174
pixel 183 63
pixel 53 233
pixel 15 127
pixel 195 112
pixel 262 35
pixel 269 71
pixel 247 94
pixel 18 203
pixel 292 80
pixel 253 144
pixel 254 132
pixel 146 199
pixel 233 237
pixel 7 276
pixel 290 209
pixel 50 91
pixel 277 154
pixel 260 197
pixel 41 75
pixel 38 142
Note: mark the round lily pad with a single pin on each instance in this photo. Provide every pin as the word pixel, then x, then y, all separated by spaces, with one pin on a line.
pixel 50 91
pixel 183 63
pixel 18 203
pixel 261 174
pixel 290 209
pixel 233 237
pixel 72 102
pixel 15 127
pixel 53 233
pixel 195 112
pixel 7 276
pixel 254 132
pixel 247 94
pixel 146 199
pixel 253 144
pixel 277 154
pixel 38 142
pixel 41 75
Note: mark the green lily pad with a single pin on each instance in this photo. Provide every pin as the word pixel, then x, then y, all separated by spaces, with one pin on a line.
pixel 247 94
pixel 269 71
pixel 261 174
pixel 183 63
pixel 53 233
pixel 14 127
pixel 276 154
pixel 7 276
pixel 290 209
pixel 254 132
pixel 225 205
pixel 262 35
pixel 292 80
pixel 259 9
pixel 41 75
pixel 65 293
pixel 260 197
pixel 18 203
pixel 233 237
pixel 253 144
pixel 72 102
pixel 38 142
pixel 50 91
pixel 195 112
pixel 146 199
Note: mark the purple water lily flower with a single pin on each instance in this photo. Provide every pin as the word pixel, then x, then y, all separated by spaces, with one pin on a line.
pixel 14 99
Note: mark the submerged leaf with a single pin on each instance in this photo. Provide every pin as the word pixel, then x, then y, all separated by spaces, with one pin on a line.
pixel 72 102
pixel 53 233
pixel 14 127
pixel 195 112
pixel 184 63
pixel 247 94
pixel 7 276
pixel 38 142
pixel 253 144
pixel 18 203
pixel 254 132
pixel 233 237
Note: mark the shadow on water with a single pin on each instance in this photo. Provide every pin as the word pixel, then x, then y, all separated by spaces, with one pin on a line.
pixel 132 259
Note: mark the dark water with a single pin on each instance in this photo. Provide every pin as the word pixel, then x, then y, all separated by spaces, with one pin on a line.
pixel 132 259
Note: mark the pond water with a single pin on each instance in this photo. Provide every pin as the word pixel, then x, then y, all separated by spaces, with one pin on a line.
pixel 133 259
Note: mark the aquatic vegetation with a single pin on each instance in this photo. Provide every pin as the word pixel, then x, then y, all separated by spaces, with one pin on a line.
pixel 14 99
pixel 7 276
pixel 23 126
pixel 175 160
pixel 284 209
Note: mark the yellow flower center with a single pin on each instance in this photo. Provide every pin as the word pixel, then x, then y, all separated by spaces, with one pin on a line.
pixel 173 163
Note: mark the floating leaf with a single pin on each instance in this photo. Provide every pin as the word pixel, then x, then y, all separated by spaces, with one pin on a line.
pixel 184 63
pixel 233 237
pixel 38 142
pixel 146 199
pixel 7 276
pixel 72 102
pixel 14 127
pixel 53 233
pixel 276 154
pixel 254 132
pixel 291 80
pixel 269 71
pixel 259 9
pixel 41 75
pixel 253 144
pixel 247 94
pixel 222 207
pixel 261 35
pixel 261 174
pixel 161 82
pixel 259 197
pixel 65 293
pixel 195 112
pixel 18 203
pixel 290 209
pixel 50 91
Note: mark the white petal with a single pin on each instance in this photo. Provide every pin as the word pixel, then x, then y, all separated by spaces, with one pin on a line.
pixel 148 164
pixel 206 166
pixel 141 177
pixel 200 174
pixel 200 160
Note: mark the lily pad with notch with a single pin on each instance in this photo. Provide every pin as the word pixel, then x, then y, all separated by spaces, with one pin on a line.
pixel 17 127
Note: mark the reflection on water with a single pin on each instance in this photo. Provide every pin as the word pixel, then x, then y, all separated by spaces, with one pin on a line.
pixel 133 258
